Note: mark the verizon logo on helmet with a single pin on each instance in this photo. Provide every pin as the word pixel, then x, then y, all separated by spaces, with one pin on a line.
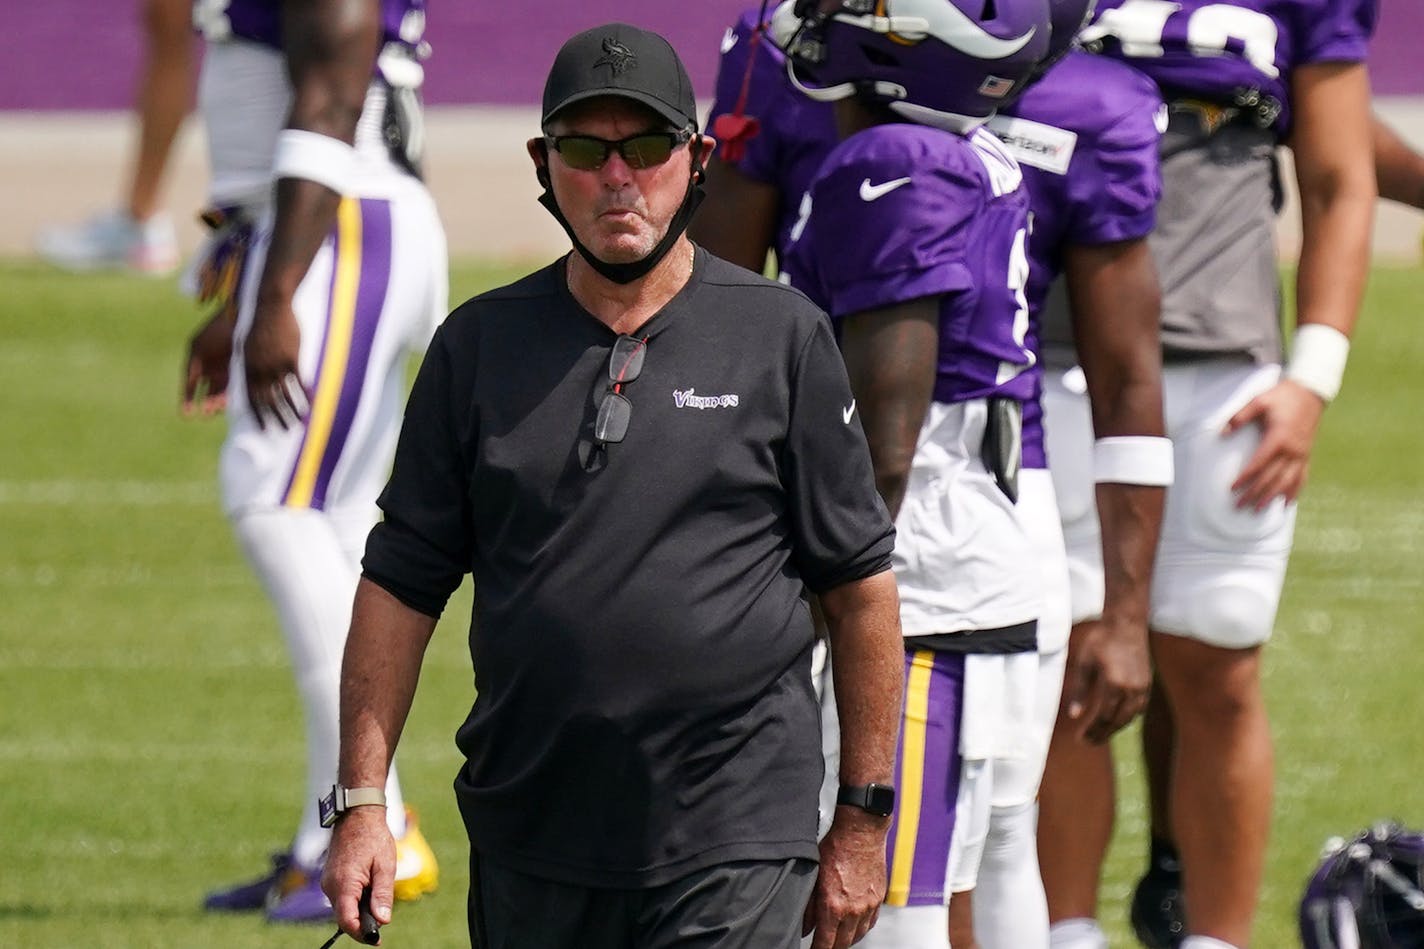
pixel 685 399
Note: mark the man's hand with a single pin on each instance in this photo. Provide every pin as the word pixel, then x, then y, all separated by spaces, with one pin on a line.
pixel 209 356
pixel 1289 415
pixel 362 854
pixel 274 389
pixel 851 884
pixel 1108 677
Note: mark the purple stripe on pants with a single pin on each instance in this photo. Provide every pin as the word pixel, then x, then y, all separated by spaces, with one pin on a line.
pixel 370 302
pixel 929 745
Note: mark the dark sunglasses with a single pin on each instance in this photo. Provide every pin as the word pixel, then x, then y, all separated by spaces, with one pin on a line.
pixel 644 150
pixel 614 412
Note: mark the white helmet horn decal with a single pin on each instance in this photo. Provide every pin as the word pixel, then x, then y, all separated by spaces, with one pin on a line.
pixel 946 23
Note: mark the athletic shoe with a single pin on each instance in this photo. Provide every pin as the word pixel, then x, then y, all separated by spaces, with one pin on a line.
pixel 417 873
pixel 1158 912
pixel 297 897
pixel 249 896
pixel 113 239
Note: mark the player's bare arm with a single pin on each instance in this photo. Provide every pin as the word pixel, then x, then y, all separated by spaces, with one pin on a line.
pixel 1399 168
pixel 379 672
pixel 737 222
pixel 331 50
pixel 1116 304
pixel 867 662
pixel 1334 166
pixel 890 359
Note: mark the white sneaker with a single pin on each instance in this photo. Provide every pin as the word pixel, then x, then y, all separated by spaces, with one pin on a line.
pixel 113 239
pixel 1079 933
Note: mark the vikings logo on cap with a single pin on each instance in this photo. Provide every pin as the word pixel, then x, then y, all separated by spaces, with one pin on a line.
pixel 616 57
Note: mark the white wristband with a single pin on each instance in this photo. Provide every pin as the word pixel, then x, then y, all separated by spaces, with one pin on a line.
pixel 315 157
pixel 1133 459
pixel 1317 359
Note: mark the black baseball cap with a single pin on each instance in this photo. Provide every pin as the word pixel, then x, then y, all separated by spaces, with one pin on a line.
pixel 621 60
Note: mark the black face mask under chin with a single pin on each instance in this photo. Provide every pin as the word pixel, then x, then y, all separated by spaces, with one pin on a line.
pixel 627 273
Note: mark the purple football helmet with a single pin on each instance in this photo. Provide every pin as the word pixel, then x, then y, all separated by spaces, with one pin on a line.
pixel 1367 893
pixel 946 63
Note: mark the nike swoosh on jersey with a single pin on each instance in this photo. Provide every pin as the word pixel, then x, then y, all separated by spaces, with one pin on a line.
pixel 870 192
pixel 848 411
pixel 729 39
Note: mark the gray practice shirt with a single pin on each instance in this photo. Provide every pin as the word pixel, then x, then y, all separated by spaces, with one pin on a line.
pixel 1214 247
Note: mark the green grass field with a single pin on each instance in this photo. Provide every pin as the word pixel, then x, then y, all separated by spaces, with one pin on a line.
pixel 149 730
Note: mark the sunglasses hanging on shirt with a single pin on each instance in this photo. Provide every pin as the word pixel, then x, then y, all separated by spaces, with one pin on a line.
pixel 625 363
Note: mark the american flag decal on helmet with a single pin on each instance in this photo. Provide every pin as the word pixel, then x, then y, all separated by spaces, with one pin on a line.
pixel 996 87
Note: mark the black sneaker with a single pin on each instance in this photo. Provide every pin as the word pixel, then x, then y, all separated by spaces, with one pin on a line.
pixel 1158 915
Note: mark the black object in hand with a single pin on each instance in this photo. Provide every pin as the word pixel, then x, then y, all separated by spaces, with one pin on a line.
pixel 370 929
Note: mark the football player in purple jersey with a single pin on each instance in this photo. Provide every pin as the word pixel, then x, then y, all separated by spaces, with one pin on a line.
pixel 913 236
pixel 1239 78
pixel 771 139
pixel 1085 132
pixel 327 269
pixel 1086 138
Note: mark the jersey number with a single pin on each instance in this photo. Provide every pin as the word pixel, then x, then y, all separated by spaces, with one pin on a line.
pixel 1138 25
pixel 1018 282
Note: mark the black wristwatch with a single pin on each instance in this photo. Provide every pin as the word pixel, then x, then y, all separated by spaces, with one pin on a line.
pixel 877 799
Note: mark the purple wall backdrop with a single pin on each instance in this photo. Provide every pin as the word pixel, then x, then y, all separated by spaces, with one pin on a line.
pixel 484 52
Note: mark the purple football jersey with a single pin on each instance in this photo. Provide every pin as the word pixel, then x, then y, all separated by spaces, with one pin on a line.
pixel 402 21
pixel 1086 137
pixel 1217 51
pixel 899 212
pixel 795 132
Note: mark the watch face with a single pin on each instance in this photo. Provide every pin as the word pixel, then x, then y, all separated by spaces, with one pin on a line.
pixel 881 800
pixel 876 799
pixel 326 807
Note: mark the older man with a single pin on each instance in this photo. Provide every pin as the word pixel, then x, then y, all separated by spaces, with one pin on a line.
pixel 646 457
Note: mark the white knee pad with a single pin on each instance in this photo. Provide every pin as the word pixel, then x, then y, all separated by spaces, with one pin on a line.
pixel 1218 607
pixel 1010 909
pixel 1220 568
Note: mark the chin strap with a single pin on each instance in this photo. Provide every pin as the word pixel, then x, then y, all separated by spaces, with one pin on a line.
pixel 633 270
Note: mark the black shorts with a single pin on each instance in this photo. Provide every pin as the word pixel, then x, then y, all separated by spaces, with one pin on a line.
pixel 742 905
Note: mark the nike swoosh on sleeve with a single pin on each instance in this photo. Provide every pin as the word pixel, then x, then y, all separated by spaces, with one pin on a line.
pixel 870 192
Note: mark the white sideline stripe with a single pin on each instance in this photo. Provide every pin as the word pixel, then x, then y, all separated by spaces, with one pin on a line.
pixel 72 493
pixel 156 752
pixel 122 574
pixel 109 663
